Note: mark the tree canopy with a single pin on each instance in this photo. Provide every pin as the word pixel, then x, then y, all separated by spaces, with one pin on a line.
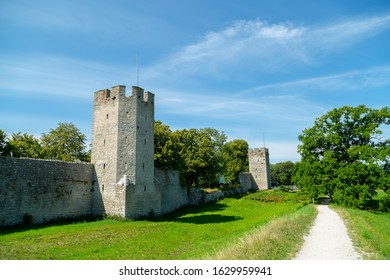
pixel 345 155
pixel 65 142
pixel 281 173
pixel 235 159
pixel 202 156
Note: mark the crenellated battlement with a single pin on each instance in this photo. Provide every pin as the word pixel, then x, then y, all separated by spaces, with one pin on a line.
pixel 118 92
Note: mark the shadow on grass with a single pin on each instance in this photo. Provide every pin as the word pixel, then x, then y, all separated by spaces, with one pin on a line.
pixel 208 219
pixel 177 215
pixel 55 222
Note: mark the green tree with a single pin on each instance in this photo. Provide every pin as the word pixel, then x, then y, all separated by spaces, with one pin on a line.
pixel 65 142
pixel 197 160
pixel 24 145
pixel 281 173
pixel 235 159
pixel 4 146
pixel 165 147
pixel 345 155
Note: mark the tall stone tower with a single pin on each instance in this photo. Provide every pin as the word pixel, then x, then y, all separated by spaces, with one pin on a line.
pixel 259 168
pixel 123 153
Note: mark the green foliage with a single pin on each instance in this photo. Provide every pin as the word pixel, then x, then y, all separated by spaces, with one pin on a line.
pixel 24 145
pixel 165 147
pixel 200 155
pixel 344 155
pixel 65 143
pixel 235 159
pixel 4 147
pixel 198 161
pixel 278 196
pixel 281 173
pixel 384 202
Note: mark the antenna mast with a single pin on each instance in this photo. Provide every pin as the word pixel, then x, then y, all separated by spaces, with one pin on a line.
pixel 263 140
pixel 137 63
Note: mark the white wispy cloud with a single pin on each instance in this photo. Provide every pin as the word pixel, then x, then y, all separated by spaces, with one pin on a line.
pixel 348 81
pixel 259 46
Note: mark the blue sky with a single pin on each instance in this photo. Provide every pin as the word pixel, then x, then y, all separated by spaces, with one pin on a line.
pixel 248 68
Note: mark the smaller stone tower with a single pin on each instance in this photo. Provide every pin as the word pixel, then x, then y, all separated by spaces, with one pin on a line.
pixel 259 168
pixel 123 153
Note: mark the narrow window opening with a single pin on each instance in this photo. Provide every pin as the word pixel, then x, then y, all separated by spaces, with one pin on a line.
pixel 103 188
pixel 104 142
pixel 144 188
pixel 143 165
pixel 104 166
pixel 107 116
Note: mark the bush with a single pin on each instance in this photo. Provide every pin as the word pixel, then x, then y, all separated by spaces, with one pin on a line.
pixel 278 196
pixel 27 219
pixel 384 203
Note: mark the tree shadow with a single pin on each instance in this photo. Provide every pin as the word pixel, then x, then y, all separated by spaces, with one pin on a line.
pixel 192 210
pixel 208 219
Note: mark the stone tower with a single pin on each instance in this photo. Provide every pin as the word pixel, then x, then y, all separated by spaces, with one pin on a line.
pixel 259 168
pixel 123 153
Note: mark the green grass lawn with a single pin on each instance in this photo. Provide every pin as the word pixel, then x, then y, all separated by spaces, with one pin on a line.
pixel 369 231
pixel 191 233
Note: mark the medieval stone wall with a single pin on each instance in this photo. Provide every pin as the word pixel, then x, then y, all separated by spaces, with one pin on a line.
pixel 42 190
pixel 173 195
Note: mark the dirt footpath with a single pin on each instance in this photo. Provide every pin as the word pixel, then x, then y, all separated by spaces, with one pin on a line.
pixel 328 239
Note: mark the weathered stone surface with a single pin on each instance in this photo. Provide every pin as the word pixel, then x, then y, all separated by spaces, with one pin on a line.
pixel 44 190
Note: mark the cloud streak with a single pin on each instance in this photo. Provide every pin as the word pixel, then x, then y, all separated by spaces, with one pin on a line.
pixel 259 46
pixel 56 76
pixel 348 81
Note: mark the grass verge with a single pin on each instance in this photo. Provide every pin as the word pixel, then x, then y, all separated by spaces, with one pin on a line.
pixel 369 231
pixel 279 239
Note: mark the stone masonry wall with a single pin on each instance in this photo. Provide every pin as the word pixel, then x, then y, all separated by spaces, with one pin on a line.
pixel 44 190
pixel 259 168
pixel 173 195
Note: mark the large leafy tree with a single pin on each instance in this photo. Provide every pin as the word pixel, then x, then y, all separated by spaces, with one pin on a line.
pixel 345 155
pixel 235 159
pixel 24 145
pixel 196 153
pixel 281 173
pixel 197 158
pixel 65 142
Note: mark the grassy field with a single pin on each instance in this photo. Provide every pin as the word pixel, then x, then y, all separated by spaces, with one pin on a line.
pixel 191 233
pixel 369 231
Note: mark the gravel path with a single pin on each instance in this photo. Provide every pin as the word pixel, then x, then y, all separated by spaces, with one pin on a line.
pixel 328 239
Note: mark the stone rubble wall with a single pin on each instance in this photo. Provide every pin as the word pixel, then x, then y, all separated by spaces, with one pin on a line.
pixel 37 191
